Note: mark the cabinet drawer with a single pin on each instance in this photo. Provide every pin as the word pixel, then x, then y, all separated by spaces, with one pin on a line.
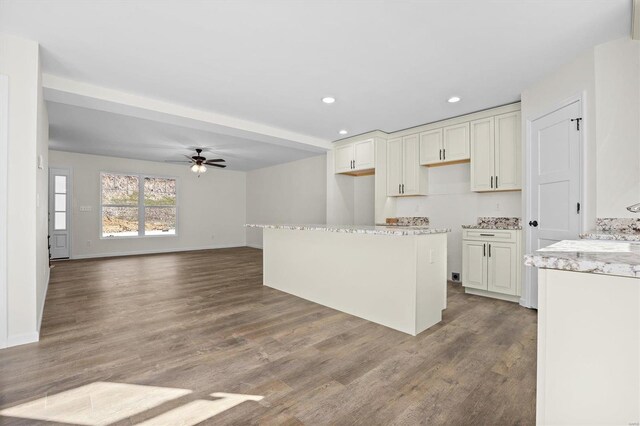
pixel 503 235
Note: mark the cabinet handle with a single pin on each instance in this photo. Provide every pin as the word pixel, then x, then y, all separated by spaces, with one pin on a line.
pixel 399 189
pixel 403 188
pixel 440 153
pixel 491 181
pixel 489 250
pixel 496 182
pixel 444 153
pixel 487 235
pixel 484 250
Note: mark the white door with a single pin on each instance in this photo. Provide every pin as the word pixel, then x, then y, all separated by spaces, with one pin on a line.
pixel 502 268
pixel 482 167
pixel 411 165
pixel 431 147
pixel 394 167
pixel 554 194
pixel 456 143
pixel 59 212
pixel 344 158
pixel 364 155
pixel 507 152
pixel 474 264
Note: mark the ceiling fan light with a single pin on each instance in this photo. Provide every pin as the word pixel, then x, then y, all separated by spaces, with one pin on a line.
pixel 202 168
pixel 194 168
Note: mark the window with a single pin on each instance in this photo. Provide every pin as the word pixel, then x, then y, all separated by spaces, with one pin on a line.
pixel 135 205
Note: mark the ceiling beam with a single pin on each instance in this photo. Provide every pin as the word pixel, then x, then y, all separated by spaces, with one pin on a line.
pixel 71 92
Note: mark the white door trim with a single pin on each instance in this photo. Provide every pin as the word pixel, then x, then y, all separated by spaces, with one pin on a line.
pixel 69 206
pixel 527 289
pixel 4 165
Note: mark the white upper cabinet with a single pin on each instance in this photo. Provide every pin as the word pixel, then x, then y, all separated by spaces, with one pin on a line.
pixel 404 174
pixel 496 153
pixel 456 143
pixel 508 152
pixel 355 157
pixel 446 145
pixel 431 147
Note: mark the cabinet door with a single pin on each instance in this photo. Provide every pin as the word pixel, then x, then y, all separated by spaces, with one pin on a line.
pixel 431 147
pixel 394 166
pixel 456 143
pixel 411 165
pixel 343 157
pixel 508 159
pixel 364 154
pixel 502 264
pixel 474 264
pixel 482 164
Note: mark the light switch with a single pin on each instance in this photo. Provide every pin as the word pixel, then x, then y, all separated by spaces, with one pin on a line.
pixel 85 208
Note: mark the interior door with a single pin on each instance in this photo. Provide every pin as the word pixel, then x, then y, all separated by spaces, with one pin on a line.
pixel 474 265
pixel 59 213
pixel 343 158
pixel 411 165
pixel 394 166
pixel 482 151
pixel 364 154
pixel 431 147
pixel 554 211
pixel 507 152
pixel 456 143
pixel 502 268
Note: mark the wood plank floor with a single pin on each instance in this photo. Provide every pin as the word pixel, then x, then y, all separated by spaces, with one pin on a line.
pixel 203 321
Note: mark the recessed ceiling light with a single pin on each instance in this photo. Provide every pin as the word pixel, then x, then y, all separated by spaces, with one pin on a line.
pixel 328 100
pixel 343 132
pixel 453 99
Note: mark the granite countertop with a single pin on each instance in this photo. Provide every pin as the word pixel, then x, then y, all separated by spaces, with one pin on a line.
pixel 352 229
pixel 508 223
pixel 592 256
pixel 610 235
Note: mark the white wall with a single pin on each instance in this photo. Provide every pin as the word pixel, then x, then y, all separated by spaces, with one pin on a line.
pixel 617 82
pixel 19 60
pixel 451 204
pixel 211 208
pixel 294 192
pixel 42 204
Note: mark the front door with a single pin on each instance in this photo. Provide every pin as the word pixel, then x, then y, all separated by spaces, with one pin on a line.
pixel 554 198
pixel 59 212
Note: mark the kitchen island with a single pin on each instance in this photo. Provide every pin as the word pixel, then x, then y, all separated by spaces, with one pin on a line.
pixel 390 275
pixel 588 332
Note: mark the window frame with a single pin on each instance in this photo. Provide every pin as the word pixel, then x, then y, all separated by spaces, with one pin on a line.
pixel 141 206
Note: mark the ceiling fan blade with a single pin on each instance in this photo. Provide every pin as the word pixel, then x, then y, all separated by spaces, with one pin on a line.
pixel 190 159
pixel 177 161
pixel 217 160
pixel 217 165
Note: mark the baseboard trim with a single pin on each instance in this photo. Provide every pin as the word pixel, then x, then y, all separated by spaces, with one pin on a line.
pixel 44 298
pixel 491 294
pixel 255 246
pixel 141 252
pixel 23 339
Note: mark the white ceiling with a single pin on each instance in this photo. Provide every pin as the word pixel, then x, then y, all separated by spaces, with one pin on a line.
pixel 90 131
pixel 390 64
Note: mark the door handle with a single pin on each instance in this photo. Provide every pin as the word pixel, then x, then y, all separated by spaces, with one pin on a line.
pixel 492 181
pixel 533 223
pixel 489 250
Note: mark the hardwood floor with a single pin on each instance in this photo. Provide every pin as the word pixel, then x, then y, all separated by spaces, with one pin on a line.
pixel 202 321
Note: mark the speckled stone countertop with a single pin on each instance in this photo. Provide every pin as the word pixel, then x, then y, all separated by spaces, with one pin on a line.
pixel 592 256
pixel 510 223
pixel 352 229
pixel 620 229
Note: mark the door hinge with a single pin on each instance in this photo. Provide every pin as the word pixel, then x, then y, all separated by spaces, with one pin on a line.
pixel 577 120
pixel 578 208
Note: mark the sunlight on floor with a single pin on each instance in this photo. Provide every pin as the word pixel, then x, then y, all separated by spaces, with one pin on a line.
pixel 103 403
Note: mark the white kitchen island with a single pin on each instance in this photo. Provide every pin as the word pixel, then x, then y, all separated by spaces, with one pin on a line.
pixel 390 275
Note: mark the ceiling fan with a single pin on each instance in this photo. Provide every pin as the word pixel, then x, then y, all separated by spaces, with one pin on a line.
pixel 199 163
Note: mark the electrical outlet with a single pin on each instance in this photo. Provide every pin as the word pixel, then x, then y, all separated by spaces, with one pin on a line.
pixel 455 276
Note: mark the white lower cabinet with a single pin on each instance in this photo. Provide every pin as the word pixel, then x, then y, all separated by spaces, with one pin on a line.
pixel 491 262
